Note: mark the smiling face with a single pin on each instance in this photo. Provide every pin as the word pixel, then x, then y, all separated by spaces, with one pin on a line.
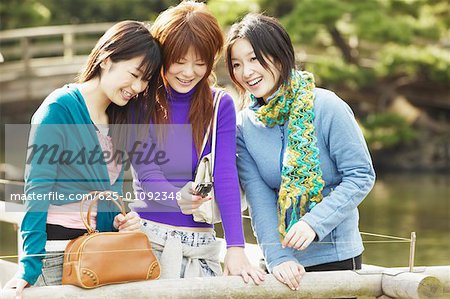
pixel 122 80
pixel 184 74
pixel 250 74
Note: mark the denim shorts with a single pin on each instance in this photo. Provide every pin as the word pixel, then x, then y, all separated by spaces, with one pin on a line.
pixel 52 268
pixel 194 239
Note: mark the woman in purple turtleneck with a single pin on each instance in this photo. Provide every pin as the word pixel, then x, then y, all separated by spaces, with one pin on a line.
pixel 191 42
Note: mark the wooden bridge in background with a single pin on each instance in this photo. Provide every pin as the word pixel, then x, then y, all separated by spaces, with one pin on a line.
pixel 37 60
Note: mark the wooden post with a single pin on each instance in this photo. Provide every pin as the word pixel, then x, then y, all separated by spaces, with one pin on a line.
pixel 19 241
pixel 68 41
pixel 26 58
pixel 26 54
pixel 412 251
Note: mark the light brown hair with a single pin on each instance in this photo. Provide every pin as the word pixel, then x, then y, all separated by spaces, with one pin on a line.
pixel 189 24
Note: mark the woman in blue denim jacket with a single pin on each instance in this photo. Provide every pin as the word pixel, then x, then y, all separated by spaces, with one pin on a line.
pixel 302 159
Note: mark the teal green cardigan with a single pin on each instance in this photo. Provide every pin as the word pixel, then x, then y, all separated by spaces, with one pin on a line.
pixel 72 166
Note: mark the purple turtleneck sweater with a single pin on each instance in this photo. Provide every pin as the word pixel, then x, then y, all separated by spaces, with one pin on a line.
pixel 151 178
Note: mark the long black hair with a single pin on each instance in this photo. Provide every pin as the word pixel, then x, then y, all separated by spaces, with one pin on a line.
pixel 124 41
pixel 268 39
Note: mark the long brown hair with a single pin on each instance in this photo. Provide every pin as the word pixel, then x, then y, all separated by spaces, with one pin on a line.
pixel 123 41
pixel 177 29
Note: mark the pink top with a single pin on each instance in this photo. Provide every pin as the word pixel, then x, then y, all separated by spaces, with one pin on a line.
pixel 113 167
pixel 68 215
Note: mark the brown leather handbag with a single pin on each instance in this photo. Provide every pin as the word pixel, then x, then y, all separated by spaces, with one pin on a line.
pixel 96 259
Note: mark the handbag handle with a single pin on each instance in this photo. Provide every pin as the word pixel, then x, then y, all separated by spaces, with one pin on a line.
pixel 212 126
pixel 97 194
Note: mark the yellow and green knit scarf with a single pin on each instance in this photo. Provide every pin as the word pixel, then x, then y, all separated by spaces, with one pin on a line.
pixel 301 176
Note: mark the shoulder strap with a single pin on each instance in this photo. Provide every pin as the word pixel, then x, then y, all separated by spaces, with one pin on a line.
pixel 216 102
pixel 214 129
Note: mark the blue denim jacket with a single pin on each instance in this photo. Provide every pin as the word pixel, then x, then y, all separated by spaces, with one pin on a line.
pixel 347 171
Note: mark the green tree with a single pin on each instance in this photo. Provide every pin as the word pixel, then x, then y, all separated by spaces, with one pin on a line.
pixel 380 21
pixel 22 13
pixel 364 33
pixel 31 13
pixel 228 12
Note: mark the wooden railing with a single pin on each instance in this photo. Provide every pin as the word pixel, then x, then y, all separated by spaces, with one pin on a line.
pixel 52 41
pixel 35 61
pixel 38 60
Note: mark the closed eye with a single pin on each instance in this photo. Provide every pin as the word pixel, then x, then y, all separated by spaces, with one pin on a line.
pixel 134 75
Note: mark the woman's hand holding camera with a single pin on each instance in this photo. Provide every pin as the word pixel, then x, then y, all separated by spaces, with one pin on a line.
pixel 190 201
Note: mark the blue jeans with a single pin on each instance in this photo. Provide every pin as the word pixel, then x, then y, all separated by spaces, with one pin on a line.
pixel 52 267
pixel 194 239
